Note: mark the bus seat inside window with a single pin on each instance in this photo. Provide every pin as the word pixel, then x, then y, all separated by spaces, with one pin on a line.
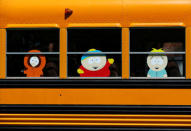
pixel 94 52
pixel 22 44
pixel 170 41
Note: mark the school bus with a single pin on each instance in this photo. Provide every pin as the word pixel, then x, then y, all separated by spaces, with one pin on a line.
pixel 94 64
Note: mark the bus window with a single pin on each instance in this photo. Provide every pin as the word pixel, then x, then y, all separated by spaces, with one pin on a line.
pixel 157 52
pixel 32 53
pixel 94 52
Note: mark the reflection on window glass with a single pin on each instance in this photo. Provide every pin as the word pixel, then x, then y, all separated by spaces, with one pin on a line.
pixel 94 52
pixel 157 53
pixel 81 40
pixel 45 40
pixel 32 52
pixel 170 39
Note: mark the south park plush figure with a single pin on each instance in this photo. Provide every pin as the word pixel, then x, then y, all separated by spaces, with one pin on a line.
pixel 157 64
pixel 95 65
pixel 34 64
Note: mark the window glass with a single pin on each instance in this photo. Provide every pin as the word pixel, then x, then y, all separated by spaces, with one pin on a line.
pixel 32 53
pixel 139 66
pixel 157 52
pixel 107 40
pixel 17 69
pixel 94 52
pixel 144 39
pixel 75 62
pixel 23 40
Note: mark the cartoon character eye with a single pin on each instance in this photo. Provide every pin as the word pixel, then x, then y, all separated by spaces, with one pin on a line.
pixel 153 61
pixel 90 60
pixel 97 59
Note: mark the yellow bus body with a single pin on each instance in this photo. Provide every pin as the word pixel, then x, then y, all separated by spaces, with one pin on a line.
pixel 95 13
pixel 86 14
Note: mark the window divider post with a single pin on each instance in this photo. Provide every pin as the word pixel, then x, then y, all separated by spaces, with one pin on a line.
pixel 125 53
pixel 63 53
pixel 3 53
pixel 188 53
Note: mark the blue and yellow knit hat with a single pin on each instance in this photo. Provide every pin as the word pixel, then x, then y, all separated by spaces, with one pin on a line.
pixel 85 56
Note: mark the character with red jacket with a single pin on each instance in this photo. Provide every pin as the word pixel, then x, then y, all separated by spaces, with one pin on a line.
pixel 94 65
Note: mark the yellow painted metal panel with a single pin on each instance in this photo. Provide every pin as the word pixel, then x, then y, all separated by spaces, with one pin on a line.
pixel 157 11
pixel 125 53
pixel 96 120
pixel 3 53
pixel 125 12
pixel 157 24
pixel 32 26
pixel 63 53
pixel 94 25
pixel 95 96
pixel 188 53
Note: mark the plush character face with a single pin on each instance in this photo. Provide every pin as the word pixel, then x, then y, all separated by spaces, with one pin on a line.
pixel 34 61
pixel 94 63
pixel 157 62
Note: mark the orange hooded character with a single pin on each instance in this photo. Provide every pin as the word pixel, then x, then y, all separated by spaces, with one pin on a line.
pixel 34 64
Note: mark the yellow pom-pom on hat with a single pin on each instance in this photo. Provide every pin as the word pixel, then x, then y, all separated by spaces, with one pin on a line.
pixel 92 50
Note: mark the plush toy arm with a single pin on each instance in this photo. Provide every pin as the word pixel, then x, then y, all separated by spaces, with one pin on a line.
pixel 80 71
pixel 148 75
pixel 111 60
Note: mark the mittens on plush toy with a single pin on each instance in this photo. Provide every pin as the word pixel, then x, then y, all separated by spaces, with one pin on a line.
pixel 111 60
pixel 80 71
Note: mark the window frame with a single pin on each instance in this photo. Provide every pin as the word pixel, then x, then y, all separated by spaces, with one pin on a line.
pixel 144 52
pixel 28 53
pixel 80 53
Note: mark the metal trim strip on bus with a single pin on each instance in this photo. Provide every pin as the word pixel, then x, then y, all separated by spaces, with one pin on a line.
pixel 32 53
pixel 157 53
